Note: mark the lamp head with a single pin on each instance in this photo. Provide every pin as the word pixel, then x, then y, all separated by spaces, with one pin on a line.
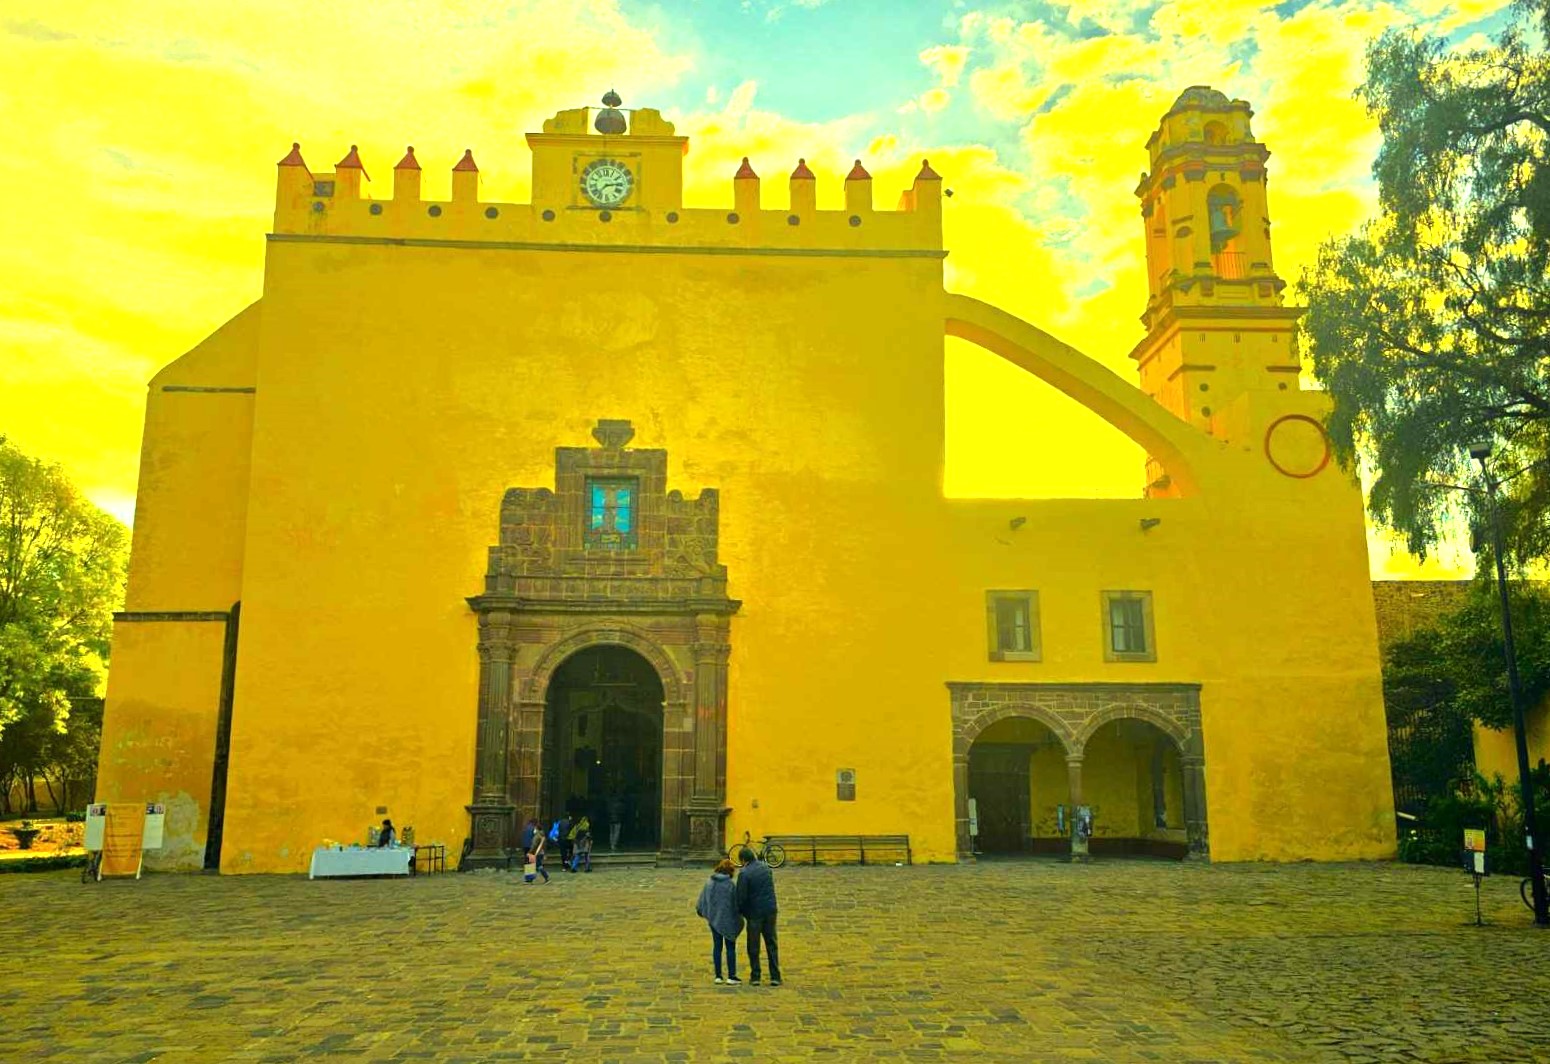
pixel 1480 451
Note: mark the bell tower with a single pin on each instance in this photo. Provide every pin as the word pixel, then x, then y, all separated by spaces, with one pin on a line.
pixel 1218 349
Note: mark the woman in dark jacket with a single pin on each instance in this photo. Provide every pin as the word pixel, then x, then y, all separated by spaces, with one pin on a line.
pixel 718 905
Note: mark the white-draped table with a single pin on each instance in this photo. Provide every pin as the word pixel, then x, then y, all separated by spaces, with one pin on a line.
pixel 374 861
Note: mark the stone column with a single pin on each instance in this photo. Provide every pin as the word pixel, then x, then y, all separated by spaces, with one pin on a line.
pixel 1252 235
pixel 707 805
pixel 1195 827
pixel 490 812
pixel 1200 216
pixel 1074 777
pixel 961 806
pixel 525 790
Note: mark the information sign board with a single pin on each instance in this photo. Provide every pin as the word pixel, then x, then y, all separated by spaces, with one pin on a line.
pixel 96 825
pixel 155 818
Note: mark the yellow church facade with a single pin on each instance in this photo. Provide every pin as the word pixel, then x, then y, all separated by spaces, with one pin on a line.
pixel 605 503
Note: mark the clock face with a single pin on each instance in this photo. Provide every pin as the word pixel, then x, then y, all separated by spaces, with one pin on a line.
pixel 607 183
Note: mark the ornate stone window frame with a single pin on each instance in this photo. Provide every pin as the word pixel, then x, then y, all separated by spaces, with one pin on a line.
pixel 1105 612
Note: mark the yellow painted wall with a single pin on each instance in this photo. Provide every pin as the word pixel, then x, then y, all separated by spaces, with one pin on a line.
pixel 1496 750
pixel 159 721
pixel 1049 785
pixel 158 736
pixel 414 365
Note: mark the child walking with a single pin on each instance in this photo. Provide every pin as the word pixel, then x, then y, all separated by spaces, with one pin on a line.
pixel 718 906
pixel 533 850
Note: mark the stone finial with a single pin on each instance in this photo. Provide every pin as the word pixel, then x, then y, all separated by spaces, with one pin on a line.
pixel 466 162
pixel 612 434
pixel 858 173
pixel 408 162
pixel 926 173
pixel 745 171
pixel 802 173
pixel 294 158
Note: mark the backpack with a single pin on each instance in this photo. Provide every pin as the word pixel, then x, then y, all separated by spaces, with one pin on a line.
pixel 554 832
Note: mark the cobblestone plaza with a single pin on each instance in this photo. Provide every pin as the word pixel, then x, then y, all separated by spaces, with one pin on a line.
pixel 1040 961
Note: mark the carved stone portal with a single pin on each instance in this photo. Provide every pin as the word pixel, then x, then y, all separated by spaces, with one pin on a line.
pixel 609 557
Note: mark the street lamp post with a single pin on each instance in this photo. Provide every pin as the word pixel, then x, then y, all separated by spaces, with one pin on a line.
pixel 1536 865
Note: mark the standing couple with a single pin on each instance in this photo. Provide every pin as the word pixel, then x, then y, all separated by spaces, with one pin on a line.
pixel 725 905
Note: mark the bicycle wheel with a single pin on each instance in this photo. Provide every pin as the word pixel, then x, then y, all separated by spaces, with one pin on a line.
pixel 1525 889
pixel 774 855
pixel 732 854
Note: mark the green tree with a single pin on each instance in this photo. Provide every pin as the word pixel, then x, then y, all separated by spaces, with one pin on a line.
pixel 62 564
pixel 1459 663
pixel 1430 327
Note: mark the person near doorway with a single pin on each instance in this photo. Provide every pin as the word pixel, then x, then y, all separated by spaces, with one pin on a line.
pixel 756 903
pixel 581 842
pixel 566 839
pixel 615 820
pixel 533 842
pixel 718 907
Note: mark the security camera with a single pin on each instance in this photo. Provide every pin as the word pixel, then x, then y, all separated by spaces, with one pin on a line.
pixel 1480 450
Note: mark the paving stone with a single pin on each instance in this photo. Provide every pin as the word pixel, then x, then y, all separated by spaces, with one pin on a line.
pixel 1119 961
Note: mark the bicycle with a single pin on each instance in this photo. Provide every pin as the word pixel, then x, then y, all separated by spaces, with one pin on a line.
pixel 1526 890
pixel 771 853
pixel 89 871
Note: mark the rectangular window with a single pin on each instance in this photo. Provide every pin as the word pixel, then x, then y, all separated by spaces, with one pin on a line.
pixel 1128 630
pixel 611 513
pixel 1012 618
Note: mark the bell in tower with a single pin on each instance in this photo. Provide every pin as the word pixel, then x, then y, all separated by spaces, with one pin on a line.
pixel 610 120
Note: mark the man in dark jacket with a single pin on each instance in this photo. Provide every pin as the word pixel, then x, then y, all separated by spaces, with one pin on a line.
pixel 756 901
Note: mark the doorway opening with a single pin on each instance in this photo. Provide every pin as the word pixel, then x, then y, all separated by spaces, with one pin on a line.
pixel 1132 776
pixel 602 747
pixel 1021 789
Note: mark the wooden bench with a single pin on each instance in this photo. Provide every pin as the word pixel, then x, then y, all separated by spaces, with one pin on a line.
pixel 861 846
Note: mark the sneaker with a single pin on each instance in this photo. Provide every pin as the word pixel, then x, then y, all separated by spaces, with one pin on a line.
pixel 774 982
pixel 720 980
pixel 754 981
pixel 733 980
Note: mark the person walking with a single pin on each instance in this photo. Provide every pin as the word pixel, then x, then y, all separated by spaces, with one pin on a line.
pixel 615 821
pixel 756 903
pixel 566 839
pixel 718 907
pixel 581 834
pixel 533 841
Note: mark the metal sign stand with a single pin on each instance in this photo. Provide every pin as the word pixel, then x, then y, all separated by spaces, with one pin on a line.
pixel 1474 863
pixel 120 833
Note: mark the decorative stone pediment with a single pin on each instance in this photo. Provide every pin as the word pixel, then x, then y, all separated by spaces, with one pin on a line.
pixel 561 547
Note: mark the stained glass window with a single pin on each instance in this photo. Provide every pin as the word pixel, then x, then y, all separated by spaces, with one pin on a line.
pixel 611 513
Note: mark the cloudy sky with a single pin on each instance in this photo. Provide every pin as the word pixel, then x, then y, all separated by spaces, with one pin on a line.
pixel 140 142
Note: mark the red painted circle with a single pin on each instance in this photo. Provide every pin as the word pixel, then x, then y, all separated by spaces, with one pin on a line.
pixel 1279 468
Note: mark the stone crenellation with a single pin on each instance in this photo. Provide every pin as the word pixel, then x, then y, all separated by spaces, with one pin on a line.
pixel 651 212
